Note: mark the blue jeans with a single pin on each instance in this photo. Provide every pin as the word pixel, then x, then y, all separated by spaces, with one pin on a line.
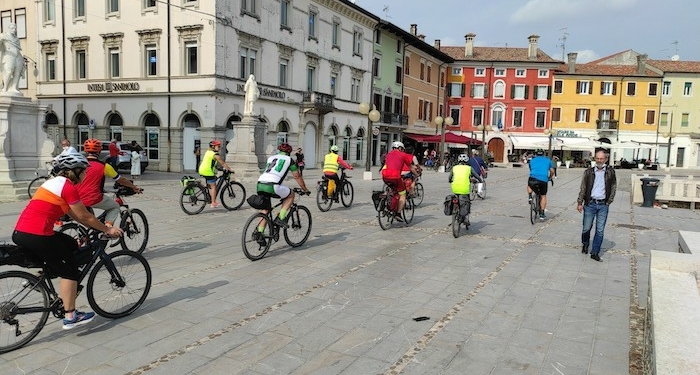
pixel 599 212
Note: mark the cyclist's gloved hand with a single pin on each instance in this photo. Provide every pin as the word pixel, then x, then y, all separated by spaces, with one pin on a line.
pixel 114 232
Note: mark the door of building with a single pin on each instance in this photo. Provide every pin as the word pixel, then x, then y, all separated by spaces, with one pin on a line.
pixel 679 156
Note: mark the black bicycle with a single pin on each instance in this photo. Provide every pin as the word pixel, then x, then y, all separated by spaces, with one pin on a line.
pixel 41 176
pixel 118 283
pixel 344 192
pixel 386 204
pixel 535 206
pixel 256 243
pixel 132 221
pixel 461 207
pixel 195 195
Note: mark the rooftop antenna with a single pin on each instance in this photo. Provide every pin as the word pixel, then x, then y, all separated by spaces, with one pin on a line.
pixel 562 39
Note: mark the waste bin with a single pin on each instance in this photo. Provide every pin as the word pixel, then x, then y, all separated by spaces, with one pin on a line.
pixel 649 186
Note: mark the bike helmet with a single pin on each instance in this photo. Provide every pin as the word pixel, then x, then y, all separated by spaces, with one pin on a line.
pixel 71 161
pixel 397 144
pixel 539 152
pixel 92 146
pixel 214 143
pixel 285 147
pixel 463 158
pixel 335 148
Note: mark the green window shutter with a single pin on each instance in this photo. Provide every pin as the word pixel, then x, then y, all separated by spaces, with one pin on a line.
pixel 549 92
pixel 471 91
pixel 527 91
pixel 512 91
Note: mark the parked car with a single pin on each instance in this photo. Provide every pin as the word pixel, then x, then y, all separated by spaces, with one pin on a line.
pixel 124 160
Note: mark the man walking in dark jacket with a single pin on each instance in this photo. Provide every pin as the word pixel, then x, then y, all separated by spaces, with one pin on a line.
pixel 594 198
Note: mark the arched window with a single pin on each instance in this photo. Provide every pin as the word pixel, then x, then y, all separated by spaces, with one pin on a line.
pixel 332 136
pixel 346 143
pixel 190 121
pixel 152 134
pixel 282 131
pixel 115 123
pixel 359 145
pixel 499 90
pixel 51 119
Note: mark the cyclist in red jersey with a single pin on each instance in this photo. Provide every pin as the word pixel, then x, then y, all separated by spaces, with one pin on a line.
pixel 396 159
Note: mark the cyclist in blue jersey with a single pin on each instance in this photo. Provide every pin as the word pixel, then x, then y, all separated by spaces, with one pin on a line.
pixel 541 171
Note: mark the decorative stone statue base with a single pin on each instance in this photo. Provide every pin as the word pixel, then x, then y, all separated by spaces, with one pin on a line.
pixel 24 146
pixel 246 152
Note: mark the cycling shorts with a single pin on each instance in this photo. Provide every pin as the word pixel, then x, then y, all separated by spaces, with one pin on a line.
pixel 57 251
pixel 397 184
pixel 209 179
pixel 537 186
pixel 275 190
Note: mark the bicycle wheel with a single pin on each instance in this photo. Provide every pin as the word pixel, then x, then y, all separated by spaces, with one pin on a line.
pixel 34 185
pixel 76 231
pixel 418 194
pixel 232 195
pixel 19 291
pixel 456 220
pixel 483 191
pixel 299 227
pixel 408 210
pixel 534 210
pixel 119 284
pixel 135 228
pixel 194 201
pixel 255 244
pixel 348 194
pixel 472 191
pixel 385 215
pixel 323 201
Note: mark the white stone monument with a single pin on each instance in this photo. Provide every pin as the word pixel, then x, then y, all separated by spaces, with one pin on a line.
pixel 24 145
pixel 245 152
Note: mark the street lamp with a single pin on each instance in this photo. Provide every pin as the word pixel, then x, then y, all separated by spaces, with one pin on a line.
pixel 550 133
pixel 442 123
pixel 372 116
pixel 670 135
pixel 483 130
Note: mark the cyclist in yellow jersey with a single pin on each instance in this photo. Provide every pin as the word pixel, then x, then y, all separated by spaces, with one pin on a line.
pixel 460 180
pixel 207 168
pixel 331 162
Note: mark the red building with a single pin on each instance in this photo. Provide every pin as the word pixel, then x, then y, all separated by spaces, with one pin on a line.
pixel 494 92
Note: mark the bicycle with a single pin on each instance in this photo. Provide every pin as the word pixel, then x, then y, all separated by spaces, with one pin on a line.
pixel 132 221
pixel 460 216
pixel 387 208
pixel 417 193
pixel 40 178
pixel 256 243
pixel 534 206
pixel 347 192
pixel 118 283
pixel 195 195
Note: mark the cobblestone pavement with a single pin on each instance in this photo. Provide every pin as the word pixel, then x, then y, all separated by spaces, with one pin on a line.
pixel 507 297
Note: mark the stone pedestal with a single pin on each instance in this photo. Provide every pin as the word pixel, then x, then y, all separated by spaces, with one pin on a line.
pixel 24 145
pixel 246 151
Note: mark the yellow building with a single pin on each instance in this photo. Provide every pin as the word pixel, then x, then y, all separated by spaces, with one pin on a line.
pixel 614 99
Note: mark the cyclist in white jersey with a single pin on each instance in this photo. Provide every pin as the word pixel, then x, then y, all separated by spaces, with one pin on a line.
pixel 270 182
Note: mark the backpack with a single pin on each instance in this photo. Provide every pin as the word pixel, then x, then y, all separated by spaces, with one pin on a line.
pixel 448 204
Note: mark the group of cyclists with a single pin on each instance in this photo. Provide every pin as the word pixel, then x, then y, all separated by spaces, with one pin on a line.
pixel 78 184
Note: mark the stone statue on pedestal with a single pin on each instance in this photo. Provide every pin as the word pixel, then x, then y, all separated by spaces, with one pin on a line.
pixel 11 62
pixel 251 95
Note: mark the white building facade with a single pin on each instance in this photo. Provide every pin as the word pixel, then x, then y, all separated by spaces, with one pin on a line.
pixel 170 75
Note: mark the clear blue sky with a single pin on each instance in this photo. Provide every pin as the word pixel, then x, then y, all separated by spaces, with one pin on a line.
pixel 593 28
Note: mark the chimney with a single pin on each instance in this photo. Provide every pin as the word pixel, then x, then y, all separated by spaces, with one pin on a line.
pixel 572 62
pixel 414 29
pixel 437 44
pixel 641 64
pixel 469 47
pixel 532 47
pixel 421 37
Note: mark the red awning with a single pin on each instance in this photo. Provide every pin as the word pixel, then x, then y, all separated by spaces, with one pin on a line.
pixel 417 137
pixel 452 138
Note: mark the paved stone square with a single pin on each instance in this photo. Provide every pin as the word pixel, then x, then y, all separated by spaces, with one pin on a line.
pixel 507 297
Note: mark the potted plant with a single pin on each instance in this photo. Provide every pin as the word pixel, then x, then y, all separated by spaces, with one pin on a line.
pixel 567 161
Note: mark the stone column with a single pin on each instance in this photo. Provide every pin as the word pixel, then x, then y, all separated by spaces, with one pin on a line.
pixel 246 151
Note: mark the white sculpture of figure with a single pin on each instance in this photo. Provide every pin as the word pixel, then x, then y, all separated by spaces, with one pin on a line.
pixel 251 95
pixel 11 61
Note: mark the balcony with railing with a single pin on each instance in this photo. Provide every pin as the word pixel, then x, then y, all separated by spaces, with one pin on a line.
pixel 394 119
pixel 606 125
pixel 317 102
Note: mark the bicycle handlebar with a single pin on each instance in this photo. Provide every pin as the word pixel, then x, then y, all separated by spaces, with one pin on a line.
pixel 300 191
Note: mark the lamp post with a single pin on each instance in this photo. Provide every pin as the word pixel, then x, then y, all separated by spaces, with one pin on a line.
pixel 442 123
pixel 483 130
pixel 670 135
pixel 372 116
pixel 550 133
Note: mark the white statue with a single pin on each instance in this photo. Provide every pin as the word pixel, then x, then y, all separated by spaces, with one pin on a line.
pixel 11 61
pixel 251 95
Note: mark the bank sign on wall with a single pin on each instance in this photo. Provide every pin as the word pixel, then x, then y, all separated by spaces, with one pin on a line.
pixel 113 87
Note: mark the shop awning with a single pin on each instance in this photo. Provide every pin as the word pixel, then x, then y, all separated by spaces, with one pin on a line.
pixel 417 137
pixel 522 142
pixel 453 138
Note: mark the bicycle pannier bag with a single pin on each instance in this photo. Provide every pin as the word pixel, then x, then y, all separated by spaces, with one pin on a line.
pixel 331 187
pixel 376 197
pixel 394 202
pixel 448 205
pixel 257 202
pixel 188 182
pixel 12 255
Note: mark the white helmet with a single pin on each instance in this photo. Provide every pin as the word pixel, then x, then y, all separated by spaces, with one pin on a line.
pixel 71 161
pixel 397 144
pixel 463 158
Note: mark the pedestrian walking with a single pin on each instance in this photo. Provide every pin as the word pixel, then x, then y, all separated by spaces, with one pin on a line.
pixel 594 198
pixel 135 164
pixel 114 153
pixel 300 160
